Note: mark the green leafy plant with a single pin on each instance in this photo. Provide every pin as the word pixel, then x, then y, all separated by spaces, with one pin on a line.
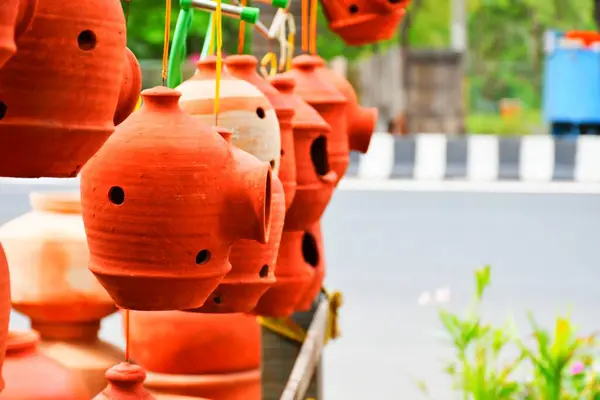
pixel 563 364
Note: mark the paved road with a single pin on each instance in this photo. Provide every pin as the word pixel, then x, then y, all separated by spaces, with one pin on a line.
pixel 386 248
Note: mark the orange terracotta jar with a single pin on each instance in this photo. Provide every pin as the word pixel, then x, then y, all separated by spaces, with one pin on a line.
pixel 163 201
pixel 131 86
pixel 294 277
pixel 243 109
pixel 52 285
pixel 329 102
pixel 360 22
pixel 29 375
pixel 315 180
pixel 206 355
pixel 361 121
pixel 15 19
pixel 244 67
pixel 54 119
pixel 125 382
pixel 4 309
pixel 313 254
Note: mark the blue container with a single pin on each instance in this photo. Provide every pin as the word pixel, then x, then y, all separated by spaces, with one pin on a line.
pixel 571 85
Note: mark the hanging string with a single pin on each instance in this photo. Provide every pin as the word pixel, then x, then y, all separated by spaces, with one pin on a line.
pixel 291 41
pixel 211 32
pixel 313 26
pixel 166 43
pixel 127 7
pixel 219 46
pixel 305 25
pixel 242 32
pixel 126 323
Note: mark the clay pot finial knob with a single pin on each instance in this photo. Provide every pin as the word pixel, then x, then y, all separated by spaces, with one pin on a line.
pixel 207 68
pixel 160 98
pixel 307 62
pixel 125 382
pixel 241 62
pixel 285 84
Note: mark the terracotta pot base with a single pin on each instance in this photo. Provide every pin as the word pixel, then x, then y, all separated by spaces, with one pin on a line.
pixel 241 296
pixel 282 299
pixel 235 386
pixel 313 199
pixel 379 28
pixel 68 310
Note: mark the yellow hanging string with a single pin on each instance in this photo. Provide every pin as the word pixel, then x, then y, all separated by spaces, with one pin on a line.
pixel 219 46
pixel 291 39
pixel 211 44
pixel 304 25
pixel 269 58
pixel 242 32
pixel 166 43
pixel 313 26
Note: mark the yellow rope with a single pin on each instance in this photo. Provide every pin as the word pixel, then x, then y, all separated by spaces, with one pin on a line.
pixel 271 58
pixel 165 61
pixel 291 41
pixel 219 46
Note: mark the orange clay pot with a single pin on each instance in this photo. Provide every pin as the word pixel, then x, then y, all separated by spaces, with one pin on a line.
pixel 53 121
pixel 163 201
pixel 52 285
pixel 360 22
pixel 252 264
pixel 125 382
pixel 159 396
pixel 329 102
pixel 361 121
pixel 313 254
pixel 244 67
pixel 4 309
pixel 29 375
pixel 177 342
pixel 15 19
pixel 315 180
pixel 294 276
pixel 212 356
pixel 243 109
pixel 131 86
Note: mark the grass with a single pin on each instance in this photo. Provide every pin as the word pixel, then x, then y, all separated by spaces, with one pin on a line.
pixel 528 122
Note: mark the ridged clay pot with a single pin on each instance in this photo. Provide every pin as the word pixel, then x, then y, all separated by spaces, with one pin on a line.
pixel 315 180
pixel 182 343
pixel 189 354
pixel 313 254
pixel 125 382
pixel 329 102
pixel 163 201
pixel 131 86
pixel 30 375
pixel 52 285
pixel 360 22
pixel 294 276
pixel 244 67
pixel 252 263
pixel 4 309
pixel 15 19
pixel 360 121
pixel 52 120
pixel 243 109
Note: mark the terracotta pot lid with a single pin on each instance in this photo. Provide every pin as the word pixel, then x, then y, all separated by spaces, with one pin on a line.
pixel 125 382
pixel 310 85
pixel 62 202
pixel 243 66
pixel 305 117
pixel 207 69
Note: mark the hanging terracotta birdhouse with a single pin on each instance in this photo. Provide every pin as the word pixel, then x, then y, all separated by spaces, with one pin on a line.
pixel 243 109
pixel 163 201
pixel 59 92
pixel 329 102
pixel 4 309
pixel 360 22
pixel 192 354
pixel 315 179
pixel 125 381
pixel 244 67
pixel 361 121
pixel 252 263
pixel 29 374
pixel 15 19
pixel 313 254
pixel 294 276
pixel 131 86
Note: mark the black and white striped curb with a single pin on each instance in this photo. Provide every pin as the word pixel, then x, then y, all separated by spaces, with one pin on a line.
pixel 479 158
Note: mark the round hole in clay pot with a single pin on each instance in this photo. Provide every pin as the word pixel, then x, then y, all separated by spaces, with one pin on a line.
pixel 86 40
pixel 202 257
pixel 264 271
pixel 310 250
pixel 3 109
pixel 217 299
pixel 116 195
pixel 261 113
pixel 318 155
pixel 353 9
